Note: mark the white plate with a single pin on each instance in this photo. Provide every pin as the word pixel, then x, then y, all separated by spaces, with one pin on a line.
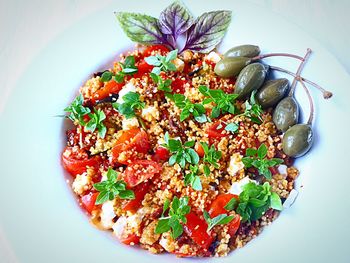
pixel 39 218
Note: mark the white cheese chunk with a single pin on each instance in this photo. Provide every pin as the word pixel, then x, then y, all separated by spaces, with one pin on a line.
pixel 235 164
pixel 179 64
pixel 237 187
pixel 129 87
pixel 119 226
pixel 213 56
pixel 130 123
pixel 150 113
pixel 107 215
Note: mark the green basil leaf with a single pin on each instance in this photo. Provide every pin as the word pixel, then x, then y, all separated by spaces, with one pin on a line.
pixel 106 76
pixel 232 127
pixel 162 226
pixel 196 183
pixel 231 205
pixel 275 202
pixel 126 194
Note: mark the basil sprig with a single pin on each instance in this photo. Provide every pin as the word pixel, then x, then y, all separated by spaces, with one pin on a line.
pixel 203 34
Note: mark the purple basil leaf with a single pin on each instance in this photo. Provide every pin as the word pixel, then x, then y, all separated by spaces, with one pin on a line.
pixel 141 28
pixel 208 31
pixel 175 20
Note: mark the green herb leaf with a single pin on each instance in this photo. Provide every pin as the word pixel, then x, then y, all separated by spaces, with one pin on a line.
pixel 211 155
pixel 253 110
pixel 96 122
pixel 257 159
pixel 131 103
pixel 77 110
pixel 106 76
pixel 162 63
pixel 231 205
pixel 218 220
pixel 111 188
pixel 189 108
pixel 177 212
pixel 193 179
pixel 276 202
pixel 232 127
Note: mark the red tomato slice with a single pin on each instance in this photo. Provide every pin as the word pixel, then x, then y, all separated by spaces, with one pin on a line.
pixel 140 192
pixel 110 87
pixel 132 238
pixel 234 225
pixel 217 206
pixel 178 86
pixel 161 154
pixel 76 162
pixel 161 48
pixel 142 68
pixel 133 139
pixel 88 201
pixel 215 132
pixel 196 229
pixel 139 171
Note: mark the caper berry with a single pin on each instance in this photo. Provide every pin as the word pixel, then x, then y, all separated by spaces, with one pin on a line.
pixel 272 92
pixel 230 67
pixel 297 140
pixel 248 51
pixel 286 113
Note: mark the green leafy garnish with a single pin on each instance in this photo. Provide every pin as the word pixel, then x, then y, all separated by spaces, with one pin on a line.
pixel 218 220
pixel 257 159
pixel 96 123
pixel 224 103
pixel 162 63
pixel 253 110
pixel 193 179
pixel 182 154
pixel 111 188
pixel 77 110
pixel 188 108
pixel 177 216
pixel 163 85
pixel 255 200
pixel 128 68
pixel 211 156
pixel 131 103
pixel 232 204
pixel 232 127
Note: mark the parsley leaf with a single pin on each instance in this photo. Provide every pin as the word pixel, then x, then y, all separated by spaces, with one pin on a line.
pixel 128 68
pixel 221 219
pixel 163 85
pixel 96 122
pixel 162 63
pixel 182 154
pixel 253 110
pixel 193 179
pixel 77 110
pixel 224 103
pixel 131 103
pixel 111 188
pixel 188 108
pixel 255 200
pixel 257 159
pixel 177 216
pixel 211 156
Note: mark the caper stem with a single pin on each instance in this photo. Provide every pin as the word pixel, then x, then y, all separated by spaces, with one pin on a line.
pixel 311 102
pixel 326 94
pixel 300 68
pixel 277 55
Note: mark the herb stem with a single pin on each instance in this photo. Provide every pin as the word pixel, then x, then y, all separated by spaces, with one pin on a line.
pixel 326 94
pixel 300 68
pixel 277 55
pixel 311 102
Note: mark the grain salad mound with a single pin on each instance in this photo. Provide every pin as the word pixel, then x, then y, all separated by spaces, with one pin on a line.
pixel 165 156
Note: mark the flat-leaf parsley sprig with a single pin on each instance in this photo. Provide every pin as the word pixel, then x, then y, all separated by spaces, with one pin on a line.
pixel 177 216
pixel 128 68
pixel 211 156
pixel 224 103
pixel 257 158
pixel 111 188
pixel 162 63
pixel 77 111
pixel 188 108
pixel 131 103
pixel 181 153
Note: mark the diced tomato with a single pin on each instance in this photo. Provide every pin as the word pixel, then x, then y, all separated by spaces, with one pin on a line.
pixel 88 201
pixel 110 87
pixel 142 68
pixel 234 225
pixel 140 171
pixel 216 133
pixel 161 48
pixel 133 139
pixel 178 86
pixel 76 162
pixel 161 154
pixel 217 206
pixel 140 192
pixel 132 238
pixel 196 229
pixel 199 149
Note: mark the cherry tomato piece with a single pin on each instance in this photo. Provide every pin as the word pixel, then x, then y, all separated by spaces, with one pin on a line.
pixel 130 239
pixel 162 50
pixel 199 149
pixel 140 171
pixel 217 206
pixel 76 162
pixel 88 201
pixel 178 86
pixel 140 192
pixel 234 225
pixel 109 88
pixel 161 154
pixel 215 131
